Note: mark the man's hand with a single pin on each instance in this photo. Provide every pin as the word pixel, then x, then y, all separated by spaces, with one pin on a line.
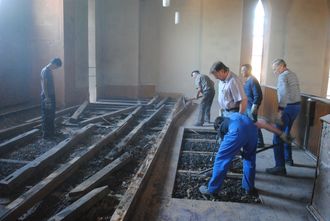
pixel 278 119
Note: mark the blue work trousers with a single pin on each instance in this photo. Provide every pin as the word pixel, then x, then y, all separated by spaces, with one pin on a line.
pixel 283 152
pixel 229 147
pixel 261 142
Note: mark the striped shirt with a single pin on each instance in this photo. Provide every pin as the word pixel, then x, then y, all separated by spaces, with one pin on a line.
pixel 288 91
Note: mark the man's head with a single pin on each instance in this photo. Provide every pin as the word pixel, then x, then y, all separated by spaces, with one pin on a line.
pixel 219 70
pixel 279 66
pixel 55 63
pixel 221 125
pixel 194 73
pixel 246 70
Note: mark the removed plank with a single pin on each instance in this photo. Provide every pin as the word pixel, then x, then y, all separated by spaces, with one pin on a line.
pixel 74 118
pixel 100 176
pixel 105 116
pixel 73 211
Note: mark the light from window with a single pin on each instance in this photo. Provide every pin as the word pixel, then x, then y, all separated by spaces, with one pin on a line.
pixel 328 92
pixel 258 37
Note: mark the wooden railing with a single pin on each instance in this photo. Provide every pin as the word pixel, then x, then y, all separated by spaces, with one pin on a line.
pixel 307 127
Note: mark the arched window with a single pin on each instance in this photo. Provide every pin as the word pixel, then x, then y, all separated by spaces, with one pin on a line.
pixel 258 39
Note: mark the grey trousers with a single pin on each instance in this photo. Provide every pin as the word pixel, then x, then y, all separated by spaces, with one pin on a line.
pixel 205 107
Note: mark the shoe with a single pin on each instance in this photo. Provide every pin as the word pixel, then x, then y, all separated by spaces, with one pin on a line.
pixel 281 171
pixel 198 124
pixel 289 162
pixel 252 192
pixel 204 190
pixel 260 145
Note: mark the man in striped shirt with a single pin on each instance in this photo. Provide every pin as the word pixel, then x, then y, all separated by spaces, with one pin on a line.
pixel 288 95
pixel 231 96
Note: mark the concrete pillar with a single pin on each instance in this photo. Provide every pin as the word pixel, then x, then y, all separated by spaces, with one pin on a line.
pixel 75 51
pixel 249 7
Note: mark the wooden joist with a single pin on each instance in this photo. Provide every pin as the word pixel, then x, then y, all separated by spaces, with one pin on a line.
pixel 123 210
pixel 100 176
pixel 118 103
pixel 27 200
pixel 35 122
pixel 14 161
pixel 105 116
pixel 161 102
pixel 200 140
pixel 74 118
pixel 15 141
pixel 120 148
pixel 74 211
pixel 13 131
pixel 18 110
pixel 57 113
pixel 198 152
pixel 19 176
pixel 153 100
pixel 200 173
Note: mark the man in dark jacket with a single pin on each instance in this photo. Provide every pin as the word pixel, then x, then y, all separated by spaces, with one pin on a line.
pixel 253 92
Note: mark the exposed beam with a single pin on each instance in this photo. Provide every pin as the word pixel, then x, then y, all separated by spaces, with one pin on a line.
pixel 100 176
pixel 19 176
pixel 15 141
pixel 74 211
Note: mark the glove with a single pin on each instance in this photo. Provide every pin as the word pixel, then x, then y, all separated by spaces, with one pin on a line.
pixel 250 115
pixel 286 138
pixel 254 109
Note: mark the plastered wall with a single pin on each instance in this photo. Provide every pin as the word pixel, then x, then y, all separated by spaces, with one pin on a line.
pixel 139 50
pixel 14 52
pixel 297 30
pixel 31 34
pixel 208 31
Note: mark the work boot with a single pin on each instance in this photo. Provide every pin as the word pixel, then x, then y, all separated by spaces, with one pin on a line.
pixel 252 192
pixel 289 162
pixel 281 171
pixel 204 190
pixel 260 145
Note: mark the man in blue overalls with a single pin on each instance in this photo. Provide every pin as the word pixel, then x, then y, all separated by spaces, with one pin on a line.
pixel 48 102
pixel 239 132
